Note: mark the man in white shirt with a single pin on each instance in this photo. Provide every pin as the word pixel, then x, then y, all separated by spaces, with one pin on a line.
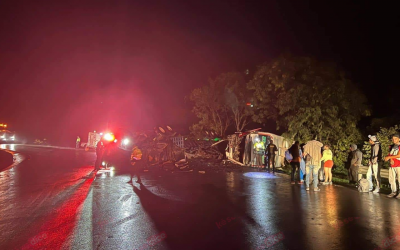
pixel 312 154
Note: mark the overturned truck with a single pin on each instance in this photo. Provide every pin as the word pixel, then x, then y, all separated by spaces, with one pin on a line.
pixel 246 150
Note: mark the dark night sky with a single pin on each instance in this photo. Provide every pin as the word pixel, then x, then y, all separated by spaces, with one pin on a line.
pixel 66 67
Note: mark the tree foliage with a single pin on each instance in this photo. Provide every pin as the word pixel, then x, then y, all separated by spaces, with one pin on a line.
pixel 309 100
pixel 220 103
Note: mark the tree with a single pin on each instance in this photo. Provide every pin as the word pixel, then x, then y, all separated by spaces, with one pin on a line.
pixel 310 100
pixel 210 107
pixel 236 97
pixel 220 104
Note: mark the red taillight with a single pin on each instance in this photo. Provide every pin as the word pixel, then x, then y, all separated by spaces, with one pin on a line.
pixel 109 137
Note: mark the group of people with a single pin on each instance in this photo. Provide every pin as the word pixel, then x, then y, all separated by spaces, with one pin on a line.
pixel 307 160
pixel 375 164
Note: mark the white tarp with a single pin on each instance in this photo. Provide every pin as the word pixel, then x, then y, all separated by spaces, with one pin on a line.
pixel 250 139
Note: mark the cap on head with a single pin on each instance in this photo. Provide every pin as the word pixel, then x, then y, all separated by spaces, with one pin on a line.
pixel 396 135
pixel 373 138
pixel 353 146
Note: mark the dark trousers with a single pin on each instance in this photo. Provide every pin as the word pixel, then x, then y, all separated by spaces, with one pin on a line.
pixel 136 169
pixel 270 162
pixel 295 165
pixel 353 174
pixel 99 159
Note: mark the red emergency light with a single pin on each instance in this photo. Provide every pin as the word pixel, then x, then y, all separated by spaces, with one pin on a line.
pixel 109 137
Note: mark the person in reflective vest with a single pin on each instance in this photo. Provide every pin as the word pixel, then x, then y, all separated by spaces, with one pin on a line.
pixel 78 142
pixel 259 148
pixel 136 160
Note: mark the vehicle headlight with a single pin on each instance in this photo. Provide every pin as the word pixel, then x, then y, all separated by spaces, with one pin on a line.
pixel 103 163
pixel 125 141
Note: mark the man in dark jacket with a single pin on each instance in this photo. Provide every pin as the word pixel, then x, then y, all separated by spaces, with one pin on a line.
pixel 270 153
pixel 99 155
pixel 355 163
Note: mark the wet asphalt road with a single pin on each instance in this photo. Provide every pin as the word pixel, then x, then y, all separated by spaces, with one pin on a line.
pixel 52 200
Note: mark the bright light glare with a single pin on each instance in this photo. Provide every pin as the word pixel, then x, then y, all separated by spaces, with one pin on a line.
pixel 109 137
pixel 258 175
pixel 112 168
pixel 126 141
pixel 103 163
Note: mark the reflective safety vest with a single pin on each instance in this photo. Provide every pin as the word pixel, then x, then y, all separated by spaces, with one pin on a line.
pixel 259 146
pixel 136 154
pixel 78 139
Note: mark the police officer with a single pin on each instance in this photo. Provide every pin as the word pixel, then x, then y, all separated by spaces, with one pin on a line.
pixel 78 142
pixel 270 152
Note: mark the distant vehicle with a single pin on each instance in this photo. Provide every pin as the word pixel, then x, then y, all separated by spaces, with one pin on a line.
pixel 7 136
pixel 93 139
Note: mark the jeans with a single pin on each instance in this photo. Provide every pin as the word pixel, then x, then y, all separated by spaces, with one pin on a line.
pixel 295 165
pixel 374 168
pixel 301 175
pixel 393 173
pixel 314 170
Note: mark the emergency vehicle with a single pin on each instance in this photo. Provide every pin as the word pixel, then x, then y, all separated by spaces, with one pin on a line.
pixel 6 135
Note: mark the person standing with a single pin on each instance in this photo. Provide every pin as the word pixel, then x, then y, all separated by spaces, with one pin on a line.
pixel 270 155
pixel 137 164
pixel 259 149
pixel 295 162
pixel 78 142
pixel 312 152
pixel 394 171
pixel 327 158
pixel 99 155
pixel 302 164
pixel 373 166
pixel 355 163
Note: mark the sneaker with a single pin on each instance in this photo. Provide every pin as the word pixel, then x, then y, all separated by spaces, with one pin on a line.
pixel 376 191
pixel 292 182
pixel 330 183
pixel 307 189
pixel 317 189
pixel 398 197
pixel 325 183
pixel 370 190
pixel 392 195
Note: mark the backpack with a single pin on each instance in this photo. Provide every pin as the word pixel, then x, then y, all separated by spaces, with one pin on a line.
pixel 363 186
pixel 288 155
